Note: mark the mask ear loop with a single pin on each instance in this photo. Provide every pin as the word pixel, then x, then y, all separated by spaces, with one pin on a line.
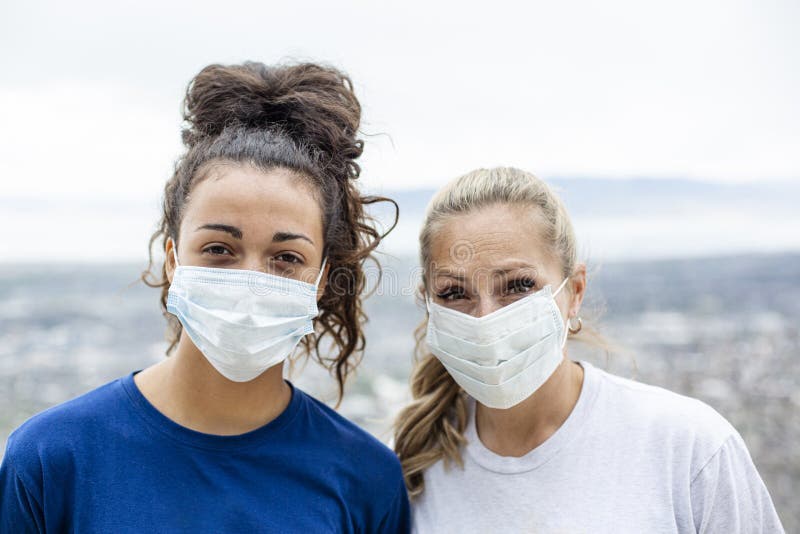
pixel 316 286
pixel 561 287
pixel 565 323
pixel 566 335
pixel 321 270
pixel 175 254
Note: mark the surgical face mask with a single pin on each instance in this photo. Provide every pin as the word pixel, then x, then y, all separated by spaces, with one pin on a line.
pixel 502 358
pixel 244 322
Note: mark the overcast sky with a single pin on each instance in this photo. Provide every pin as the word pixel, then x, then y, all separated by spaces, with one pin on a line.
pixel 90 92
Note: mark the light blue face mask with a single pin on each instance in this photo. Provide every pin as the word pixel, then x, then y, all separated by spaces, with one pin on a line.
pixel 244 322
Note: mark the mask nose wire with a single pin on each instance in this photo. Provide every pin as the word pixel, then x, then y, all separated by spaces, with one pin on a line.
pixel 560 287
pixel 319 276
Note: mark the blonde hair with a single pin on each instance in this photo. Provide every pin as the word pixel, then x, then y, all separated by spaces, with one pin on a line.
pixel 431 428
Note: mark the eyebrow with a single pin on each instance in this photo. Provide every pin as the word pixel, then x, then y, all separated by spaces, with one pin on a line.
pixel 235 232
pixel 447 273
pixel 280 237
pixel 277 237
pixel 506 270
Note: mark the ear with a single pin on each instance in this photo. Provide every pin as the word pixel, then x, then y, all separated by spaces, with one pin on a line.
pixel 323 282
pixel 169 260
pixel 578 290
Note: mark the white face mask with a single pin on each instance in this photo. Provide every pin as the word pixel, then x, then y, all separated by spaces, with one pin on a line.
pixel 244 322
pixel 502 358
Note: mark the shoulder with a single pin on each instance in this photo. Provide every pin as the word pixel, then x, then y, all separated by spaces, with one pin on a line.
pixel 645 405
pixel 661 416
pixel 53 435
pixel 366 471
pixel 73 415
pixel 348 441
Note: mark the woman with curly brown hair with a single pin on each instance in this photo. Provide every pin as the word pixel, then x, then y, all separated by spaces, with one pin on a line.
pixel 265 235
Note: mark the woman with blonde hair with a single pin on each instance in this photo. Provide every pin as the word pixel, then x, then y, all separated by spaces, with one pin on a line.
pixel 505 433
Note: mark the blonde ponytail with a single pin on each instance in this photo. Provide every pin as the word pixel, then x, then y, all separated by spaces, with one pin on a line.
pixel 432 426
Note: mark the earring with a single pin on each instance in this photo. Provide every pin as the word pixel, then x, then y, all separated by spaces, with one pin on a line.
pixel 577 329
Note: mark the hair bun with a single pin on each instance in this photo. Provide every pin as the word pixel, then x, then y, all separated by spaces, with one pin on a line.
pixel 314 105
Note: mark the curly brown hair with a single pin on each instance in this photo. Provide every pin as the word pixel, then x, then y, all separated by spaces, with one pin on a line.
pixel 300 117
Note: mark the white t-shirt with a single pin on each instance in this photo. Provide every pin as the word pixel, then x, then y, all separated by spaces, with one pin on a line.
pixel 629 458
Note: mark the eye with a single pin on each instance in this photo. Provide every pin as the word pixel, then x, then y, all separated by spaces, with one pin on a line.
pixel 217 250
pixel 521 285
pixel 453 293
pixel 288 257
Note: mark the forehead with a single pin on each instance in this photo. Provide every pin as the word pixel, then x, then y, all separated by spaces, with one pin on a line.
pixel 491 238
pixel 253 199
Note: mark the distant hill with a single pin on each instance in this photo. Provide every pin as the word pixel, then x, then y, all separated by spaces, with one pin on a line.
pixel 616 197
pixel 638 218
pixel 643 218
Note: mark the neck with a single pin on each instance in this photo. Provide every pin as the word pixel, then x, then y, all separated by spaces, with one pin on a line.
pixel 521 428
pixel 187 389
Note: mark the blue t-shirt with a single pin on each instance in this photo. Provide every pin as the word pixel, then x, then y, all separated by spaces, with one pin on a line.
pixel 108 461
